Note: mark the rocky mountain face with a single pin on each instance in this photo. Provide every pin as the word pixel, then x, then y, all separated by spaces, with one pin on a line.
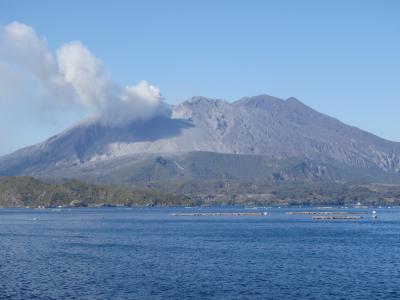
pixel 257 137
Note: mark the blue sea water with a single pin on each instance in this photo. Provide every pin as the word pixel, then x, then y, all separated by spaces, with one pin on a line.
pixel 147 253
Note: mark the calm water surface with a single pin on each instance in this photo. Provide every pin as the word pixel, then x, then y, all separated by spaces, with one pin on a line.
pixel 146 253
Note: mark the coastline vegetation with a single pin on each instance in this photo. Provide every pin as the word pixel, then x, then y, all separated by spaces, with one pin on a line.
pixel 26 191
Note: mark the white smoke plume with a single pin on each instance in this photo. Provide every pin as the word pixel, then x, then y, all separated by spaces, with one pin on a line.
pixel 75 76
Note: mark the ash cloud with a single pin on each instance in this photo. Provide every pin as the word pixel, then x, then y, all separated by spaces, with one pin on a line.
pixel 74 77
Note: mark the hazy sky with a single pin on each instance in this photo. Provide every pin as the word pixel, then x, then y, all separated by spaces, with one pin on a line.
pixel 339 57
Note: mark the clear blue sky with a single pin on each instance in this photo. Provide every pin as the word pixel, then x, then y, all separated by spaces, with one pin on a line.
pixel 339 57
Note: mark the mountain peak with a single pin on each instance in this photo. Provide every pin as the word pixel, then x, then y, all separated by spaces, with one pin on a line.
pixel 261 125
pixel 204 100
pixel 293 99
pixel 257 100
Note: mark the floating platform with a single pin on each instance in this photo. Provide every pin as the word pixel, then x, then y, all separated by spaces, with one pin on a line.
pixel 221 214
pixel 327 213
pixel 322 218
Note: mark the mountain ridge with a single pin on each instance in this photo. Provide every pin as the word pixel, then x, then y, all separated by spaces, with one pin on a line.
pixel 259 126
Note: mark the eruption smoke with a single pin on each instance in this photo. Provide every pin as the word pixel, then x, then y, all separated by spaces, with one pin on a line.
pixel 75 76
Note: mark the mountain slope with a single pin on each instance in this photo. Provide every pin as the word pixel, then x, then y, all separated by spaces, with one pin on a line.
pixel 262 136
